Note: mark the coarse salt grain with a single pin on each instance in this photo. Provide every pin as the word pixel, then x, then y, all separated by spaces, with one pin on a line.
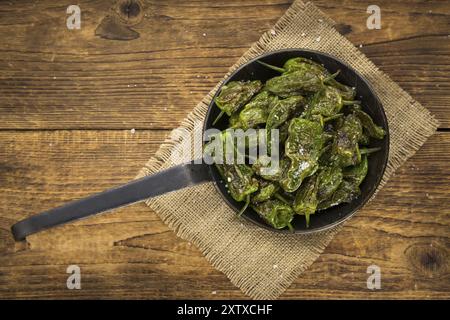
pixel 303 34
pixel 133 131
pixel 273 32
pixel 318 38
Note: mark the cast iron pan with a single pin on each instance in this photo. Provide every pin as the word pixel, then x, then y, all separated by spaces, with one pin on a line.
pixel 189 174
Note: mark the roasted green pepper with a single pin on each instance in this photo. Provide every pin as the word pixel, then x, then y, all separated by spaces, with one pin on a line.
pixel 371 128
pixel 235 95
pixel 327 102
pixel 329 179
pixel 257 110
pixel 283 110
pixel 276 213
pixel 306 201
pixel 356 174
pixel 345 149
pixel 266 191
pixel 303 148
pixel 345 193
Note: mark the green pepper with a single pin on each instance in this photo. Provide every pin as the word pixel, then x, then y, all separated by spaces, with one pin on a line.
pixel 235 95
pixel 327 102
pixel 303 148
pixel 283 110
pixel 345 149
pixel 306 201
pixel 276 213
pixel 304 64
pixel 284 164
pixel 356 174
pixel 257 110
pixel 371 128
pixel 329 180
pixel 294 83
pixel 345 193
pixel 240 182
pixel 266 191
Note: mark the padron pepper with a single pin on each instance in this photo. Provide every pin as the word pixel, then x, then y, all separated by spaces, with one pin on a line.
pixel 370 127
pixel 303 147
pixel 306 201
pixel 295 83
pixel 235 95
pixel 240 181
pixel 345 149
pixel 283 110
pixel 326 102
pixel 275 213
pixel 348 189
pixel 257 110
pixel 329 179
pixel 356 174
pixel 304 64
pixel 345 193
pixel 265 192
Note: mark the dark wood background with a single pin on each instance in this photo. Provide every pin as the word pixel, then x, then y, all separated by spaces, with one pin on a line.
pixel 68 102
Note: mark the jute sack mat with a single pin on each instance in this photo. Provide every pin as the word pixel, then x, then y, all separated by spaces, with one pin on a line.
pixel 263 263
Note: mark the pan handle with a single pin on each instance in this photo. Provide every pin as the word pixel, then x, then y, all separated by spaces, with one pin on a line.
pixel 172 179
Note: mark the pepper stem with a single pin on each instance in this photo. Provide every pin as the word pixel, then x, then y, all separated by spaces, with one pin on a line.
pixel 369 150
pixel 291 228
pixel 278 69
pixel 247 202
pixel 307 219
pixel 331 77
pixel 218 117
pixel 350 103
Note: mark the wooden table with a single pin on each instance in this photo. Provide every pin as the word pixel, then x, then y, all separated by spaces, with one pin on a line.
pixel 69 100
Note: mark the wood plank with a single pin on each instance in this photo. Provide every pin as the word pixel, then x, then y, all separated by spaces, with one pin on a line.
pixel 55 78
pixel 130 253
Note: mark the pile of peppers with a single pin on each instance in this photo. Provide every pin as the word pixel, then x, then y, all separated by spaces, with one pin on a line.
pixel 324 138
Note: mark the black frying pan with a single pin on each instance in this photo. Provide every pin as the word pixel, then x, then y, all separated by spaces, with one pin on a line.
pixel 189 174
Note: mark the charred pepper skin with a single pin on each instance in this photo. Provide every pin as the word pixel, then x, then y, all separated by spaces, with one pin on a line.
pixel 236 94
pixel 306 200
pixel 345 149
pixel 303 147
pixel 275 213
pixel 257 110
pixel 370 127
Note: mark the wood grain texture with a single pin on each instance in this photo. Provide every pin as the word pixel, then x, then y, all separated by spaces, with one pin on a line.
pixel 52 77
pixel 70 98
pixel 130 253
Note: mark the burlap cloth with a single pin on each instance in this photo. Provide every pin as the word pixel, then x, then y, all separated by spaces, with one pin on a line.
pixel 263 263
